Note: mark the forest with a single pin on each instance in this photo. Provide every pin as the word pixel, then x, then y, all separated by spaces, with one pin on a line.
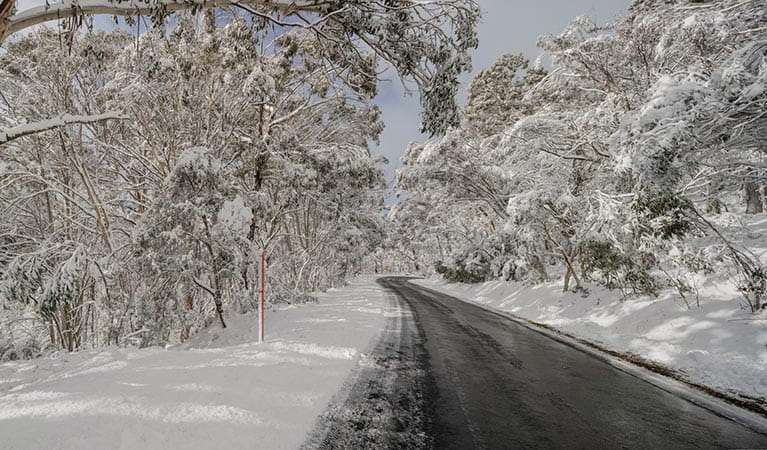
pixel 143 172
pixel 629 155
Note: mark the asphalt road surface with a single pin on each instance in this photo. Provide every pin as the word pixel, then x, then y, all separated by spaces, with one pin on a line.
pixel 451 375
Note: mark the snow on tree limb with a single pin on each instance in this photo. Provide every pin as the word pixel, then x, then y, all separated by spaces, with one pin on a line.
pixel 69 8
pixel 428 42
pixel 60 121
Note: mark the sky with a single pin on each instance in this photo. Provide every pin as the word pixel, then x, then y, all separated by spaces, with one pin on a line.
pixel 508 26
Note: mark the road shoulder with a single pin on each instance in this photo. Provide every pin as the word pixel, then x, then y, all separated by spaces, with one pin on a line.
pixel 382 404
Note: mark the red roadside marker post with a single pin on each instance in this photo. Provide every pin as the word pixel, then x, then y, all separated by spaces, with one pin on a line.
pixel 261 302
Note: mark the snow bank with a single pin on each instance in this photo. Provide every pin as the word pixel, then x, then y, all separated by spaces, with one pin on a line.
pixel 220 390
pixel 719 344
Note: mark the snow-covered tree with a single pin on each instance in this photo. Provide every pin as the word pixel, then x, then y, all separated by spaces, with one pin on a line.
pixel 351 37
pixel 638 126
pixel 169 243
pixel 496 95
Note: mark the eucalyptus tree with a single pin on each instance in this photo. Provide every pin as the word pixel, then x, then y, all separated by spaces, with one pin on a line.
pixel 427 42
pixel 638 126
pixel 57 198
pixel 160 247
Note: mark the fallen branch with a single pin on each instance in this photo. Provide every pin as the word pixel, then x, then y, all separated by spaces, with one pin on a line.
pixel 135 333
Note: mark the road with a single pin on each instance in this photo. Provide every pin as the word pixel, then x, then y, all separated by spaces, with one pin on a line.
pixel 456 376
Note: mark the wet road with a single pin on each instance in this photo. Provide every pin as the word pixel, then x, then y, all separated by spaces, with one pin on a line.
pixel 488 382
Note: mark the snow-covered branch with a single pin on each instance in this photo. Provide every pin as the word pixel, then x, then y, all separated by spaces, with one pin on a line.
pixel 69 8
pixel 60 121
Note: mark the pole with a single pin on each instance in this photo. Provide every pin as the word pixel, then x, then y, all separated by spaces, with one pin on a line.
pixel 261 302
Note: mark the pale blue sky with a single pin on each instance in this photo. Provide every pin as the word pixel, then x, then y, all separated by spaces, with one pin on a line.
pixel 508 26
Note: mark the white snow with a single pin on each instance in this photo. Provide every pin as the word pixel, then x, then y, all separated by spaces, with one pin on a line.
pixel 718 344
pixel 234 217
pixel 49 124
pixel 220 390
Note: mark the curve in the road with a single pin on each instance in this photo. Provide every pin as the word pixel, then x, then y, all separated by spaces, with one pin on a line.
pixel 487 382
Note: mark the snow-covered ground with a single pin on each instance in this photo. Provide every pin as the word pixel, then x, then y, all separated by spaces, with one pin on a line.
pixel 718 344
pixel 221 390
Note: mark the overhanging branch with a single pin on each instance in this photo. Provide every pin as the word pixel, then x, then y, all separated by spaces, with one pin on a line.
pixel 60 121
pixel 69 8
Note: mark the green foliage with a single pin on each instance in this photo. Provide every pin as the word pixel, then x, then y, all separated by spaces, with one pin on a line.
pixel 472 265
pixel 605 263
pixel 696 263
pixel 19 284
pixel 496 96
pixel 752 284
pixel 459 274
pixel 28 349
pixel 664 215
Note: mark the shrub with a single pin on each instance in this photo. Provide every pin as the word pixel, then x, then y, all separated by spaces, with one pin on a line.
pixel 664 215
pixel 603 262
pixel 459 274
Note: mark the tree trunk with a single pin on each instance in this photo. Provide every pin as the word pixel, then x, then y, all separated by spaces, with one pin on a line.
pixel 186 329
pixel 215 277
pixel 6 6
pixel 537 265
pixel 52 332
pixel 570 271
pixel 66 323
pixel 713 204
pixel 753 198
